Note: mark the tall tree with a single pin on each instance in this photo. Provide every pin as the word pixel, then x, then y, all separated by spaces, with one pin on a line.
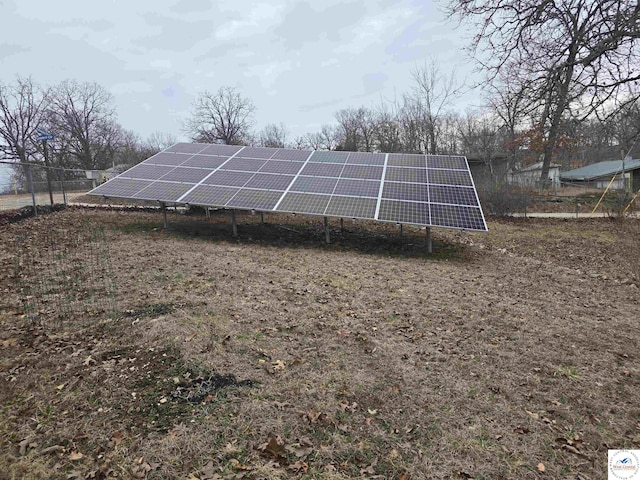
pixel 274 136
pixel 222 117
pixel 82 117
pixel 574 56
pixel 21 111
pixel 433 94
pixel 159 141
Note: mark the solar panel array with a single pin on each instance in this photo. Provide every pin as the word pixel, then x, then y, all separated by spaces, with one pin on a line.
pixel 402 188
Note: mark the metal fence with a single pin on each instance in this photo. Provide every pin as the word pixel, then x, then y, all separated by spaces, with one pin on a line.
pixel 31 185
pixel 65 279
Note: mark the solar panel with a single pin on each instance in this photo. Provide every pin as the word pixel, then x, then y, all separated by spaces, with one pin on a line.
pixel 404 188
pixel 357 188
pixel 162 191
pixel 255 199
pixel 188 175
pixel 210 195
pixel 323 156
pixel 314 184
pixel 172 159
pixel 280 166
pixel 204 161
pixel 270 181
pixel 352 207
pixel 322 169
pixel 304 203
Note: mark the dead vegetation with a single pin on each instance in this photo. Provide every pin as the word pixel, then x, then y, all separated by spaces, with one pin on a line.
pixel 511 354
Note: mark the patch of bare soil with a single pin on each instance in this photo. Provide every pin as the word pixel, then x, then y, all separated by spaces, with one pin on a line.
pixel 507 355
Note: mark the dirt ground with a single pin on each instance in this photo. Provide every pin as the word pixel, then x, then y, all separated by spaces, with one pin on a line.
pixel 506 355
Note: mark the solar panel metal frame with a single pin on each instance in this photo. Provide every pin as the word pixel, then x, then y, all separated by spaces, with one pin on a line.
pixel 430 190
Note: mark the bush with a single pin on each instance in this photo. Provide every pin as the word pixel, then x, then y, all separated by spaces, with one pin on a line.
pixel 504 200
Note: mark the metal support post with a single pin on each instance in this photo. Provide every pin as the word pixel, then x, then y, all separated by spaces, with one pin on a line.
pixel 208 213
pixel 326 230
pixel 33 193
pixel 401 239
pixel 261 218
pixel 342 225
pixel 64 192
pixel 234 224
pixel 48 171
pixel 165 222
pixel 429 244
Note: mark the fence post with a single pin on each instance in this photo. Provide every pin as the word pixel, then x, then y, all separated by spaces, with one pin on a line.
pixel 33 193
pixel 64 192
pixel 47 171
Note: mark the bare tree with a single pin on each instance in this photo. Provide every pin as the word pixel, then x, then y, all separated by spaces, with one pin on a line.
pixel 221 117
pixel 21 111
pixel 433 94
pixel 274 136
pixel 481 137
pixel 83 119
pixel 388 135
pixel 573 56
pixel 349 129
pixel 159 141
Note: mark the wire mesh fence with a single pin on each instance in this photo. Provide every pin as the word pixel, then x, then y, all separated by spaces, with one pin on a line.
pixel 31 185
pixel 65 280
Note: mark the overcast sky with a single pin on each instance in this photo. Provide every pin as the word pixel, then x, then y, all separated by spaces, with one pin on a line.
pixel 298 61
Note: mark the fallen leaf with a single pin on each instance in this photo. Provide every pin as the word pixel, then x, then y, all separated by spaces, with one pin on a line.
pixel 521 430
pixel 238 466
pixel 75 456
pixel 535 416
pixel 541 467
pixel 23 446
pixel 299 467
pixel 52 449
pixel 595 420
pixel 274 448
pixel 370 468
pixel 117 437
pixel 231 449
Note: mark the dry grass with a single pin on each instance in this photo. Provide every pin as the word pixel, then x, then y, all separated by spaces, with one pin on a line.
pixel 365 358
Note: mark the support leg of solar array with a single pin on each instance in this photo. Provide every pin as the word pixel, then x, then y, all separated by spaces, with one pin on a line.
pixel 165 222
pixel 208 213
pixel 401 239
pixel 428 238
pixel 326 230
pixel 234 224
pixel 342 225
pixel 261 218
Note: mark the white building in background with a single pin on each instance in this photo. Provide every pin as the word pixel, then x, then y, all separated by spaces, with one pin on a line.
pixel 529 177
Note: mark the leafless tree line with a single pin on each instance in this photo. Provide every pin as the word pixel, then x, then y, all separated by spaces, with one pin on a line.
pixel 82 119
